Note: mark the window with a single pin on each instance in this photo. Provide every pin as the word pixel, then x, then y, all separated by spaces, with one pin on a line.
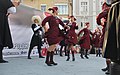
pixel 84 7
pixel 43 7
pixel 63 9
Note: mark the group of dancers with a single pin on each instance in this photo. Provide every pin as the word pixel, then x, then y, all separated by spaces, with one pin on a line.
pixel 66 37
pixel 108 39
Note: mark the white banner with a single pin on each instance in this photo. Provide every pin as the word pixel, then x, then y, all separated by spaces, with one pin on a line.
pixel 20 27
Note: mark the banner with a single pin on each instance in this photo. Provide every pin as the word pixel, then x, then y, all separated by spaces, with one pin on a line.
pixel 20 27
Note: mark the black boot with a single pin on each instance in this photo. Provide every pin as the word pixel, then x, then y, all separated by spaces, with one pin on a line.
pixel 73 57
pixel 65 50
pixel 1 56
pixel 81 53
pixel 86 57
pixel 39 52
pixel 104 69
pixel 96 53
pixel 108 70
pixel 61 51
pixel 68 54
pixel 108 67
pixel 51 58
pixel 86 54
pixel 47 58
pixel 29 52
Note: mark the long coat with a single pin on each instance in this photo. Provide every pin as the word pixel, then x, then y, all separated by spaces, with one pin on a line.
pixel 53 34
pixel 37 36
pixel 111 45
pixel 86 38
pixel 5 35
pixel 72 36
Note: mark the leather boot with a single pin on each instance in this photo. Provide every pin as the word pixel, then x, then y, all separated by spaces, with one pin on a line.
pixel 1 56
pixel 81 53
pixel 104 69
pixel 86 54
pixel 108 66
pixel 39 52
pixel 47 58
pixel 61 51
pixel 73 57
pixel 68 55
pixel 51 58
pixel 65 50
pixel 29 52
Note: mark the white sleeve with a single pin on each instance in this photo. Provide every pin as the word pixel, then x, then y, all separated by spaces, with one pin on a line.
pixel 35 29
pixel 12 10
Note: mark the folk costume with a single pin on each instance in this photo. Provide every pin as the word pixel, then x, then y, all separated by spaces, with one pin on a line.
pixel 72 38
pixel 53 34
pixel 86 41
pixel 36 38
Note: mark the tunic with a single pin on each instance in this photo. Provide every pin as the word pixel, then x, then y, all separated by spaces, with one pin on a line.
pixel 53 34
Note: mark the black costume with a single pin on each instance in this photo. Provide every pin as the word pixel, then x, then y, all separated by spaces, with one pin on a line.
pixel 112 34
pixel 111 45
pixel 5 35
pixel 36 39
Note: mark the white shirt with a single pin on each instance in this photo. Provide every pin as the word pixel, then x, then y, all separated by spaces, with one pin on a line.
pixel 12 10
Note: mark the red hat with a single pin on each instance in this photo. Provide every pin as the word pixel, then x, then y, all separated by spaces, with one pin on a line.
pixel 55 8
pixel 87 23
pixel 72 17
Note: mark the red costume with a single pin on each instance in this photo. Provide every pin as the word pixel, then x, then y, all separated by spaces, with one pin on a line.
pixel 86 38
pixel 53 35
pixel 96 39
pixel 72 35
pixel 104 15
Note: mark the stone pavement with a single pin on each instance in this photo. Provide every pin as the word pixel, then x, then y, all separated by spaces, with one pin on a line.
pixel 36 66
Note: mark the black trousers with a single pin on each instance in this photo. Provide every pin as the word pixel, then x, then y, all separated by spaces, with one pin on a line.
pixel 1 54
pixel 39 50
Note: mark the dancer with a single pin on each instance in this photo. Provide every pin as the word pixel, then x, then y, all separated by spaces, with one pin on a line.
pixel 85 39
pixel 72 38
pixel 102 20
pixel 96 41
pixel 37 36
pixel 52 34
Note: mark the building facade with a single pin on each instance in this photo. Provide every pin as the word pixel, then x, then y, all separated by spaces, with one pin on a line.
pixel 86 11
pixel 43 5
pixel 83 10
